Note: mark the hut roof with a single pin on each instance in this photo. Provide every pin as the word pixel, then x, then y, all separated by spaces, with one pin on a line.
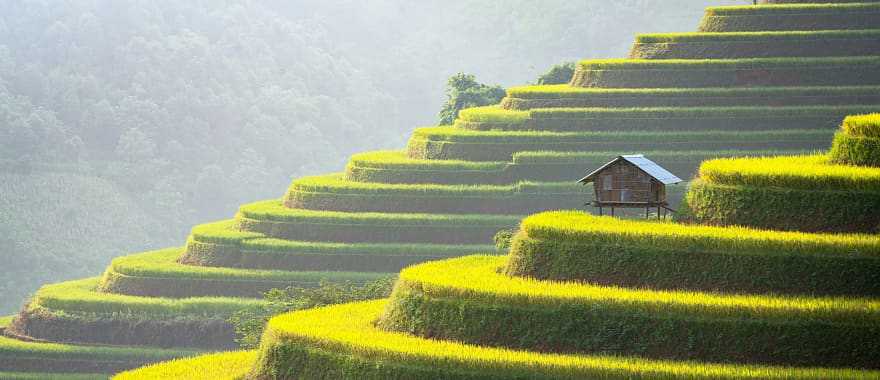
pixel 649 167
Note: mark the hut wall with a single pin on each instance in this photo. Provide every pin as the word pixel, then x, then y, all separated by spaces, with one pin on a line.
pixel 623 182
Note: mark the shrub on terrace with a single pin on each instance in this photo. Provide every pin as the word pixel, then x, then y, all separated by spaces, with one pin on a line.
pixel 558 74
pixel 463 91
pixel 249 324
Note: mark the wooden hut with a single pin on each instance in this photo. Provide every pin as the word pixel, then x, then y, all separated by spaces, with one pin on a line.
pixel 631 181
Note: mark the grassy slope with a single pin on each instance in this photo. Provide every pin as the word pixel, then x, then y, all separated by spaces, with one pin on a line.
pixel 348 331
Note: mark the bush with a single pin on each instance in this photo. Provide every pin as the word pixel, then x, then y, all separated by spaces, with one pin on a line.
pixel 249 324
pixel 558 74
pixel 503 238
pixel 566 246
pixel 463 91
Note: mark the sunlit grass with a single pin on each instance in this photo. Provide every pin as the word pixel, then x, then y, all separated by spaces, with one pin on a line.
pixel 273 210
pixel 579 226
pixel 81 296
pixel 458 135
pixel 477 278
pixel 163 264
pixel 221 366
pixel 397 159
pixel 797 172
pixel 495 114
pixel 348 332
pixel 50 376
pixel 728 64
pixel 862 125
pixel 757 36
pixel 741 10
pixel 562 91
pixel 224 232
pixel 550 157
pixel 12 348
pixel 337 184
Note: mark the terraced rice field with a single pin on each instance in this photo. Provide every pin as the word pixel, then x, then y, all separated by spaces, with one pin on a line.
pixel 754 81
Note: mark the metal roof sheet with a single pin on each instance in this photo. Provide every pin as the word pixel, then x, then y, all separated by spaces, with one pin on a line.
pixel 649 167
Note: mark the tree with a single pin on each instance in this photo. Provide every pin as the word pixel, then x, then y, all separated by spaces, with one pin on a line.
pixel 558 74
pixel 463 91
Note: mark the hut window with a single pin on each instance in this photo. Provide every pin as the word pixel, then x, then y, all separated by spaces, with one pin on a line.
pixel 607 182
pixel 624 195
pixel 644 178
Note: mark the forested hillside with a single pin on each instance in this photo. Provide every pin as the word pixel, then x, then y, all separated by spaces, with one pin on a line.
pixel 123 123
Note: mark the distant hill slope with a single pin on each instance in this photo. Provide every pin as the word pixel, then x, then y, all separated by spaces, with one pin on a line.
pixel 46 217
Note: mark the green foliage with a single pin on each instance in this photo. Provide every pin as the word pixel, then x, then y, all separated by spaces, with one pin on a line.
pixel 249 324
pixel 344 339
pixel 566 246
pixel 558 74
pixel 463 91
pixel 756 36
pixel 503 238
